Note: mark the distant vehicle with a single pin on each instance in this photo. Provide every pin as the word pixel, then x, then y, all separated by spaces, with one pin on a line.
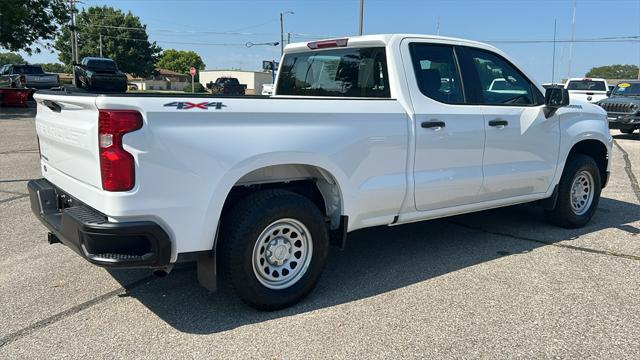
pixel 267 89
pixel 227 86
pixel 589 89
pixel 27 76
pixel 550 85
pixel 133 87
pixel 100 74
pixel 623 107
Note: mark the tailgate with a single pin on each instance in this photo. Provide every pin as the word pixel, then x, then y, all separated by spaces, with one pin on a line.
pixel 67 128
pixel 41 79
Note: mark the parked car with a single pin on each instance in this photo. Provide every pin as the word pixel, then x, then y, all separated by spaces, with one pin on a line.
pixel 100 74
pixel 589 89
pixel 133 87
pixel 227 86
pixel 623 107
pixel 360 132
pixel 27 76
pixel 267 89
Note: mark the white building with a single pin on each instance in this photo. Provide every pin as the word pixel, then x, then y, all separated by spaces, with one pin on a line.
pixel 253 79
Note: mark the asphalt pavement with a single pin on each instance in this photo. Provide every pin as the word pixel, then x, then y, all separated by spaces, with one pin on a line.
pixel 496 284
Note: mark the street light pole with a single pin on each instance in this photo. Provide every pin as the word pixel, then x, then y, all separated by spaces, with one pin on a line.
pixel 361 17
pixel 100 45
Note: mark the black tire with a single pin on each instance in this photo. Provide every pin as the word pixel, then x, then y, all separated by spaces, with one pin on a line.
pixel 627 131
pixel 563 214
pixel 241 228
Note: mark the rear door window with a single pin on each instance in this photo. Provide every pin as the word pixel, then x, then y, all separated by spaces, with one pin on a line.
pixel 351 72
pixel 437 73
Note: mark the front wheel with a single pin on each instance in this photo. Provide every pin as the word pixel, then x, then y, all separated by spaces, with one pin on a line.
pixel 274 248
pixel 578 192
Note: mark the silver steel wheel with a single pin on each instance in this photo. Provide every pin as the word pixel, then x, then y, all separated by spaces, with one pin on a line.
pixel 582 192
pixel 282 254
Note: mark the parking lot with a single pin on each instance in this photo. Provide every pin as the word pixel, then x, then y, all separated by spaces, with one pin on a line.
pixel 501 283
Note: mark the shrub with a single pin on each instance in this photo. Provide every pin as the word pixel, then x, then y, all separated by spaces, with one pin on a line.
pixel 197 87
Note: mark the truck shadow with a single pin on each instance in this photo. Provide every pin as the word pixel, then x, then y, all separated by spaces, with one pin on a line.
pixel 379 260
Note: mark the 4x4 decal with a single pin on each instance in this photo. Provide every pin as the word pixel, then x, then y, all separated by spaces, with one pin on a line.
pixel 180 105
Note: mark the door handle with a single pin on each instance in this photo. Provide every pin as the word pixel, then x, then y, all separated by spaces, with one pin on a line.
pixel 436 125
pixel 498 123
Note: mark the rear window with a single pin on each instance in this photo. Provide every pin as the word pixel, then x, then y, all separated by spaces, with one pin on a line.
pixel 27 70
pixel 357 72
pixel 586 85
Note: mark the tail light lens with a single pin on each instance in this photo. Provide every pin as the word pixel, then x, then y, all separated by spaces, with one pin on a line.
pixel 116 165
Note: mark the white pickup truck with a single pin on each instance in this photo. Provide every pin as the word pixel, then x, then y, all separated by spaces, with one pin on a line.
pixel 589 89
pixel 361 131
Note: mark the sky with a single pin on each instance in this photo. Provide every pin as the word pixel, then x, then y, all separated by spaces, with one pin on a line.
pixel 203 25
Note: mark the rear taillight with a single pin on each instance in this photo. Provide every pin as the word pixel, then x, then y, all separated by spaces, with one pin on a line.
pixel 116 165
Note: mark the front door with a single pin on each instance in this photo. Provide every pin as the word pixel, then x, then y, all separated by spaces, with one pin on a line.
pixel 449 134
pixel 522 146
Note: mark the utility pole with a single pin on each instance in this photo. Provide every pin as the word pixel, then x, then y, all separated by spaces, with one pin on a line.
pixel 438 27
pixel 553 61
pixel 288 38
pixel 361 17
pixel 282 14
pixel 281 35
pixel 100 45
pixel 573 33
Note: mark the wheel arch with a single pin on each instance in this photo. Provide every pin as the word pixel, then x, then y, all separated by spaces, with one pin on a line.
pixel 596 150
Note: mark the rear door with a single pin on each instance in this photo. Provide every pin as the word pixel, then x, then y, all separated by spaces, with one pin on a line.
pixel 67 128
pixel 449 133
pixel 522 145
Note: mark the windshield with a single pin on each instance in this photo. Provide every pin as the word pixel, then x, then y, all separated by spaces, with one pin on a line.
pixel 586 85
pixel 28 70
pixel 102 65
pixel 627 89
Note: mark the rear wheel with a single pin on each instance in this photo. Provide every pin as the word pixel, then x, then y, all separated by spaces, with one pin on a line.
pixel 578 192
pixel 274 248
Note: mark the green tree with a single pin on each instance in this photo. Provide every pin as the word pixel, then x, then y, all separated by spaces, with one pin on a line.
pixel 55 68
pixel 11 58
pixel 179 61
pixel 614 72
pixel 124 39
pixel 27 25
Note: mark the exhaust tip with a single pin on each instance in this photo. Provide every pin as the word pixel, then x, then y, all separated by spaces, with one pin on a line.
pixel 160 273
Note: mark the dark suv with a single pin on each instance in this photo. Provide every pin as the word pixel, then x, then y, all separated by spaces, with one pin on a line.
pixel 100 74
pixel 623 107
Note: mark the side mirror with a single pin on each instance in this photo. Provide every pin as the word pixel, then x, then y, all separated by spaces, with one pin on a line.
pixel 608 93
pixel 555 98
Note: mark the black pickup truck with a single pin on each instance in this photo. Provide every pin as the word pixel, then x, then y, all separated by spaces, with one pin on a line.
pixel 623 107
pixel 227 86
pixel 102 74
